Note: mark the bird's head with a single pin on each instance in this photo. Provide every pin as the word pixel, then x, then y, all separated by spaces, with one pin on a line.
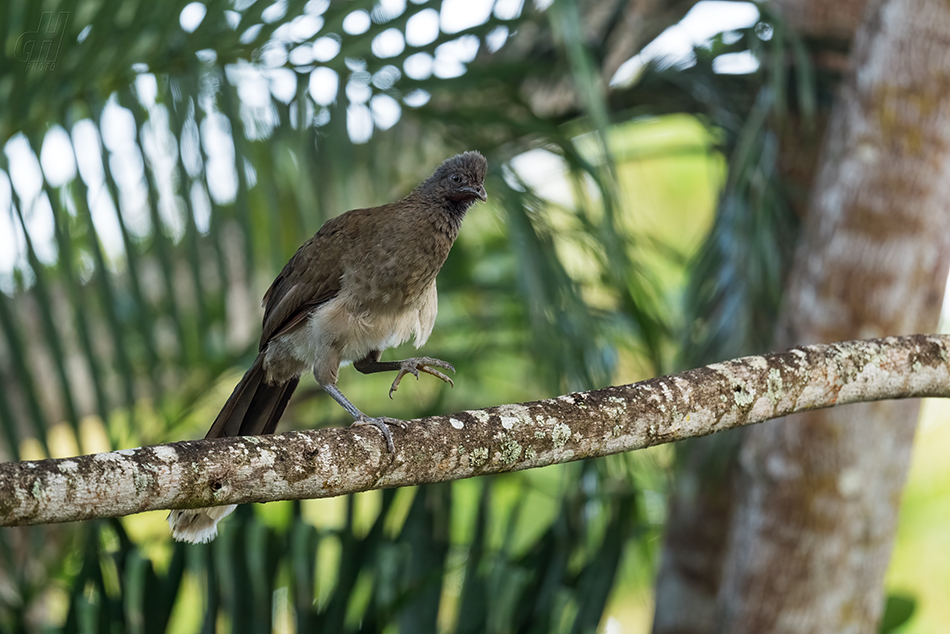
pixel 461 179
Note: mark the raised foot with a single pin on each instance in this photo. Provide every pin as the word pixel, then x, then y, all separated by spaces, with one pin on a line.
pixel 382 423
pixel 421 364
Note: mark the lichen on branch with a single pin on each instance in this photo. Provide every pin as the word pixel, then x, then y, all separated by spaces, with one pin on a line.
pixel 335 461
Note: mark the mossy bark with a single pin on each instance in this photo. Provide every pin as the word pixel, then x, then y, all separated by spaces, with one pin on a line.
pixel 341 460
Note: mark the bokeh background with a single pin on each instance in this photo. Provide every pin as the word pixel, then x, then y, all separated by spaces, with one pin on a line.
pixel 162 160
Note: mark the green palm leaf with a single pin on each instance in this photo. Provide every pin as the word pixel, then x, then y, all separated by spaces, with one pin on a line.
pixel 205 156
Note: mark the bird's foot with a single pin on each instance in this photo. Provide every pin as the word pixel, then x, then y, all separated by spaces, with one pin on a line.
pixel 421 364
pixel 382 423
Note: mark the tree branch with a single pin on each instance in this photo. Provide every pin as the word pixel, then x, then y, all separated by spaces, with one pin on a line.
pixel 339 460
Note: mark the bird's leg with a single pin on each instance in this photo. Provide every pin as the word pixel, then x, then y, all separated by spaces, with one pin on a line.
pixel 359 418
pixel 371 363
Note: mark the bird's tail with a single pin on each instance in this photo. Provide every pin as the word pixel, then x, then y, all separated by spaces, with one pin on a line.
pixel 253 408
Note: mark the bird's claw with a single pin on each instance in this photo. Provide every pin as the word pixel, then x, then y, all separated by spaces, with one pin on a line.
pixel 421 364
pixel 382 423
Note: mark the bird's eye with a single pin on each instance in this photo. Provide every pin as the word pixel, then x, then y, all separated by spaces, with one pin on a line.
pixel 456 179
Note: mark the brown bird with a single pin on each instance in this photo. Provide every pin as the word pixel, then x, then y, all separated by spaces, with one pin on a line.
pixel 364 283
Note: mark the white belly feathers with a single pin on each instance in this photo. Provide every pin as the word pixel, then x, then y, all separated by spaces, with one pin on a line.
pixel 342 331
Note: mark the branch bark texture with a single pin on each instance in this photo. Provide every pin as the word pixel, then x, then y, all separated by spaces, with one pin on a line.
pixel 336 461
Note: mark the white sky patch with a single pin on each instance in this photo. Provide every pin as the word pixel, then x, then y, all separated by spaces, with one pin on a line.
pixel 389 43
pixel 57 158
pixel 190 148
pixel 316 7
pixel 417 98
pixel 85 138
pixel 274 12
pixel 11 255
pixel 259 87
pixel 201 206
pixel 301 55
pixel 304 27
pixel 464 48
pixel 250 174
pixel 307 115
pixel 127 169
pixel 705 20
pixel 191 16
pixel 386 10
pixel 418 66
pixel 451 57
pixel 161 147
pixel 359 123
pixel 274 54
pixel 386 77
pixel 447 66
pixel 26 179
pixel 118 127
pixel 546 173
pixel 207 55
pixel 259 123
pixel 106 222
pixel 458 15
pixel 324 85
pixel 326 48
pixel 39 226
pixel 25 171
pixel 508 9
pixel 250 34
pixel 422 28
pixel 675 44
pixel 358 91
pixel 613 626
pixel 357 22
pixel 146 88
pixel 736 63
pixel 133 195
pixel 283 84
pixel 219 146
pixel 251 84
pixel 496 38
pixel 386 111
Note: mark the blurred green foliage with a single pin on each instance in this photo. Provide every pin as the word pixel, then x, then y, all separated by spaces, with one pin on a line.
pixel 159 171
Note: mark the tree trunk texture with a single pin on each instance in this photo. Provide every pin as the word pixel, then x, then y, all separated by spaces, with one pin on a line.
pixel 818 495
pixel 822 19
pixel 702 500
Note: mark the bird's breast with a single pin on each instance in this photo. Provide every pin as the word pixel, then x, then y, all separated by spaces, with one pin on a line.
pixel 346 329
pixel 391 284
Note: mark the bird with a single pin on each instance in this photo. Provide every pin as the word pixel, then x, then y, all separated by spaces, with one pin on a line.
pixel 365 282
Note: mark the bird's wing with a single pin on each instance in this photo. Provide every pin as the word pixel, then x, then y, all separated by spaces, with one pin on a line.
pixel 309 279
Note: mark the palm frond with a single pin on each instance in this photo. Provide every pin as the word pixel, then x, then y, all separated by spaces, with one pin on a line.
pixel 203 158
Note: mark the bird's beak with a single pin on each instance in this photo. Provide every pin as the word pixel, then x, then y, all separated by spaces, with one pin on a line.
pixel 478 192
